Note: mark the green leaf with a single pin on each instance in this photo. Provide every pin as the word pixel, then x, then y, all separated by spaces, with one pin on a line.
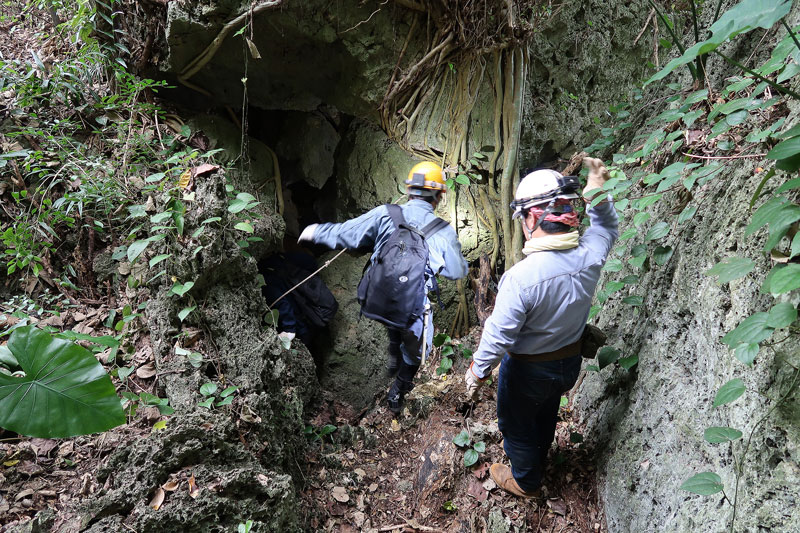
pixel 136 249
pixel 662 254
pixel 779 213
pixel 613 265
pixel 105 340
pixel 789 185
pixel 470 457
pixel 157 259
pixel 752 329
pixel 462 179
pixel 607 355
pixel 697 96
pixel 633 300
pixel 628 362
pixel 207 389
pixel 225 401
pixel 7 359
pixel 237 206
pixel 440 338
pixel 183 313
pixel 613 286
pixel 65 391
pixel 747 352
pixel 640 218
pixel 244 226
pixel 691 117
pixel 228 391
pixel 206 403
pixel 327 429
pixel 638 262
pixel 705 484
pixel 462 439
pixel 731 268
pixel 444 366
pixel 729 392
pixel 785 279
pixel 785 149
pixel 158 218
pixel 657 231
pixel 687 213
pixel 718 435
pixel 782 315
pixel 182 288
pixel 479 447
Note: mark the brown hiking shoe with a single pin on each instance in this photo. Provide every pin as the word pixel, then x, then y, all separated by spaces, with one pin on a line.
pixel 501 474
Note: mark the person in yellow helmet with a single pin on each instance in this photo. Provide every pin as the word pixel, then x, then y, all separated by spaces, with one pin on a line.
pixel 393 232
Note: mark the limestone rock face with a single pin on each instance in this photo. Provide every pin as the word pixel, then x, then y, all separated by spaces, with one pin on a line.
pixel 647 425
pixel 311 53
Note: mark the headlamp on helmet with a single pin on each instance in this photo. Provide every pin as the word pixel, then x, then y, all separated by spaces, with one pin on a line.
pixel 543 187
pixel 426 179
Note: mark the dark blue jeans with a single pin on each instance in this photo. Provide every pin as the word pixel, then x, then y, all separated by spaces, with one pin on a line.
pixel 528 397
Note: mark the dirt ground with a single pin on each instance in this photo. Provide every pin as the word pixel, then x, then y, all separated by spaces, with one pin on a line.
pixel 412 477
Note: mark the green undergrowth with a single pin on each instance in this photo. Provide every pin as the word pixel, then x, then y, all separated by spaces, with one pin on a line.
pixel 669 166
pixel 93 164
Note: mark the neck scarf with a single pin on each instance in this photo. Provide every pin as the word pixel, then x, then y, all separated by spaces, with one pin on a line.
pixel 562 241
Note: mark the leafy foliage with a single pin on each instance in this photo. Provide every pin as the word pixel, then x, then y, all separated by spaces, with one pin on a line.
pixel 63 390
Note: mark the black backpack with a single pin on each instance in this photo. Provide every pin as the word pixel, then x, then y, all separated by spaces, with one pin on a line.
pixel 313 301
pixel 392 290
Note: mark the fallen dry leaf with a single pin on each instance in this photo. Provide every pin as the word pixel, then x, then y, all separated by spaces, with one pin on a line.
pixel 183 181
pixel 558 506
pixel 340 494
pixel 194 490
pixel 23 494
pixel 476 490
pixel 205 168
pixel 146 371
pixel 481 471
pixel 158 499
pixel 170 485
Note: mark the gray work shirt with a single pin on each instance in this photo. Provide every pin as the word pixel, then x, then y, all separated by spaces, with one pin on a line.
pixel 372 230
pixel 543 301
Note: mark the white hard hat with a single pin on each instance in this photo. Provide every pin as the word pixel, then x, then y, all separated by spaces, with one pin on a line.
pixel 542 186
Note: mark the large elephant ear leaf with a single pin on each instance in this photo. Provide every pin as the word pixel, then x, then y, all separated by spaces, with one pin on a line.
pixel 64 392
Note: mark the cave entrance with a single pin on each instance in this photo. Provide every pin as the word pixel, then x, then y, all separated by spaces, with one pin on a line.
pixel 305 145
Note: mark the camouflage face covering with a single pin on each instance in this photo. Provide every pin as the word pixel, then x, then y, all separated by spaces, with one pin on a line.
pixel 563 212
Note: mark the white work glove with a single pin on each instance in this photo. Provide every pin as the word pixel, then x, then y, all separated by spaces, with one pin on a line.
pixel 307 234
pixel 598 175
pixel 473 382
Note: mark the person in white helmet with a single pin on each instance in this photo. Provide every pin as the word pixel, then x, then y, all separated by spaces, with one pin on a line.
pixel 540 312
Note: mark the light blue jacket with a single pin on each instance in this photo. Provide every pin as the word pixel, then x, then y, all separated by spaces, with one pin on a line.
pixel 543 301
pixel 372 230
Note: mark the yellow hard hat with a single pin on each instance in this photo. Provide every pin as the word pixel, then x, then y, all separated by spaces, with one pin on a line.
pixel 426 179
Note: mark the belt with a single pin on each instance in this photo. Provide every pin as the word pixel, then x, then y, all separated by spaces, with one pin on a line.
pixel 564 352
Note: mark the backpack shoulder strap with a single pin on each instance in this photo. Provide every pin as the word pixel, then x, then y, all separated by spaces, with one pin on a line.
pixel 433 227
pixel 397 215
